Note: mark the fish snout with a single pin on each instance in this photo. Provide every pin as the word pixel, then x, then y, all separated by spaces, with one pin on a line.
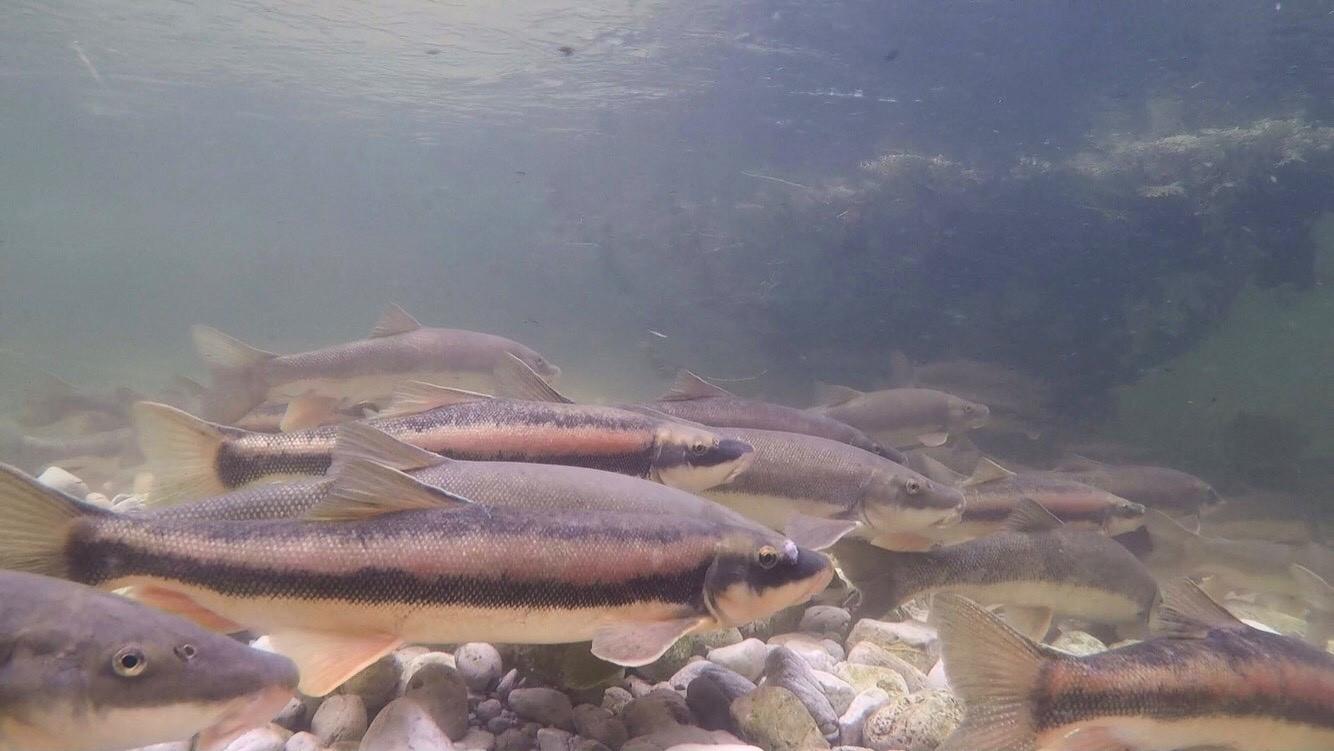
pixel 246 712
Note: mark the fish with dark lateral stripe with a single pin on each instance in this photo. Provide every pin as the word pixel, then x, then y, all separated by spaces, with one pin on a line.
pixel 85 670
pixel 1156 487
pixel 1208 681
pixel 1037 568
pixel 399 349
pixel 365 573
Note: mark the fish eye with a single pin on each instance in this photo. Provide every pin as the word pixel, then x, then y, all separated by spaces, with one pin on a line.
pixel 186 652
pixel 129 662
pixel 968 409
pixel 913 487
pixel 698 448
pixel 768 557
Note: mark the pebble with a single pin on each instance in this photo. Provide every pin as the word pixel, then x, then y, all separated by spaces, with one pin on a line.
pixel 688 673
pixel 441 690
pixel 600 725
pixel 507 684
pixel 1078 643
pixel 784 668
pixel 419 662
pixel 838 691
pixel 615 698
pixel 745 658
pixel 515 739
pixel 826 620
pixel 170 746
pixel 377 683
pixel 476 739
pixel 709 702
pixel 638 686
pixel 655 711
pixel 554 739
pixel 913 641
pixel 341 717
pixel 295 716
pixel 821 654
pixel 488 709
pixel 721 638
pixel 854 717
pixel 544 705
pixel 917 722
pixel 64 481
pixel 587 744
pixel 775 719
pixel 862 677
pixel 303 742
pixel 268 738
pixel 868 653
pixel 498 725
pixel 480 665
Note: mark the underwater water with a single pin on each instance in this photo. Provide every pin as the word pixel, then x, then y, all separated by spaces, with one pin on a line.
pixel 1079 255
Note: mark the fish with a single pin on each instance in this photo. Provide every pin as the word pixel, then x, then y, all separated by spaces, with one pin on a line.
pixel 51 400
pixel 1162 488
pixel 368 572
pixel 1038 568
pixel 902 417
pixel 1207 680
pixel 992 492
pixel 1015 399
pixel 192 458
pixel 398 350
pixel 86 670
pixel 810 486
pixel 269 417
pixel 107 451
pixel 400 467
pixel 695 399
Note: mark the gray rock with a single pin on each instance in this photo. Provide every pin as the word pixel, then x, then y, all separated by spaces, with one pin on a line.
pixel 554 739
pixel 498 725
pixel 715 639
pixel 440 689
pixel 476 739
pixel 600 725
pixel 863 704
pixel 1078 643
pixel 377 684
pixel 420 661
pixel 838 691
pixel 710 703
pixel 688 673
pixel 868 653
pixel 677 735
pixel 341 717
pixel 638 686
pixel 655 711
pixel 862 677
pixel 515 739
pixel 587 744
pixel 850 748
pixel 507 683
pixel 913 641
pixel 615 698
pixel 745 658
pixel 488 709
pixel 544 705
pixel 917 722
pixel 296 715
pixel 816 652
pixel 825 620
pixel 784 668
pixel 303 742
pixel 170 746
pixel 672 660
pixel 480 665
pixel 775 719
pixel 267 738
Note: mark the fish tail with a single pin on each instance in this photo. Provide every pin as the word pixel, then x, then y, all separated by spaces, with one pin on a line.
pixel 35 522
pixel 181 451
pixel 235 367
pixel 994 670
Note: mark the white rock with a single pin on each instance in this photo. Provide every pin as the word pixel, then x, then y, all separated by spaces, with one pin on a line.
pixel 303 742
pixel 64 481
pixel 688 673
pixel 267 738
pixel 418 662
pixel 850 724
pixel 476 739
pixel 839 691
pixel 1078 643
pixel 937 679
pixel 813 650
pixel 480 665
pixel 404 725
pixel 746 658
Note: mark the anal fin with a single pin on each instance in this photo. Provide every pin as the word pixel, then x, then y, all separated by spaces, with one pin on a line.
pixel 326 659
pixel 637 644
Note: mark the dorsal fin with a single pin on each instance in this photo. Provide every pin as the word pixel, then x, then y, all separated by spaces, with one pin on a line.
pixel 1031 516
pixel 518 381
pixel 364 489
pixel 1186 612
pixel 832 395
pixel 688 386
pixel 394 320
pixel 987 471
pixel 419 396
pixel 359 440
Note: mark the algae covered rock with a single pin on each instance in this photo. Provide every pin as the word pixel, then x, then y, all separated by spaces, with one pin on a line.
pixel 775 719
pixel 917 722
pixel 862 677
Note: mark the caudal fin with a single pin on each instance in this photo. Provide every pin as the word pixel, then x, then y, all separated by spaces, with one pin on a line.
pixel 34 524
pixel 994 670
pixel 181 451
pixel 237 388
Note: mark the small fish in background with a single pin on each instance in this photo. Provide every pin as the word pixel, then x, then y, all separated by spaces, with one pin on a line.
pixel 1206 680
pixel 1016 400
pixel 370 571
pixel 1162 488
pixel 51 400
pixel 399 350
pixel 192 458
pixel 269 417
pixel 817 489
pixel 96 455
pixel 902 417
pixel 92 671
pixel 695 399
pixel 1037 568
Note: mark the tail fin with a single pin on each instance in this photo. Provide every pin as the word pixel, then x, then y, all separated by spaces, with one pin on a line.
pixel 234 365
pixel 181 451
pixel 34 524
pixel 518 380
pixel 994 670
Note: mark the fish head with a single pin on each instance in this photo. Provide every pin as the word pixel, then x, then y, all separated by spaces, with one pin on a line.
pixel 1122 516
pixel 966 415
pixel 171 679
pixel 757 573
pixel 695 459
pixel 904 501
pixel 538 363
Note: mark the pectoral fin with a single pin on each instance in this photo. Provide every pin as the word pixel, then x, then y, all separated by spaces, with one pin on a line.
pixel 637 644
pixel 933 439
pixel 815 533
pixel 327 659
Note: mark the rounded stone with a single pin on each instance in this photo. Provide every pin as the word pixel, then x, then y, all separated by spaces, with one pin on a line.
pixel 303 742
pixel 862 677
pixel 480 665
pixel 655 711
pixel 600 725
pixel 775 719
pixel 440 689
pixel 515 739
pixel 543 705
pixel 869 653
pixel 267 738
pixel 341 717
pixel 784 668
pixel 746 658
pixel 1078 643
pixel 376 684
pixel 917 722
pixel 615 698
pixel 825 620
pixel 863 704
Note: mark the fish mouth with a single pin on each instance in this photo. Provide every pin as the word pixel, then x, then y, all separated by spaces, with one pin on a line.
pixel 954 517
pixel 242 714
pixel 743 463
